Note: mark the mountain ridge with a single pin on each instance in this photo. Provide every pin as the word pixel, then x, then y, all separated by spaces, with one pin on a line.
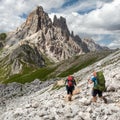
pixel 48 34
pixel 51 40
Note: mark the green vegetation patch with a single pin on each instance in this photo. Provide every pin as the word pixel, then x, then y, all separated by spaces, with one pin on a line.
pixel 3 36
pixel 42 74
pixel 47 60
pixel 78 67
pixel 62 69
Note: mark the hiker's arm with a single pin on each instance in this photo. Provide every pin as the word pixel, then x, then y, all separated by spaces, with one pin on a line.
pixel 75 82
pixel 90 81
pixel 65 81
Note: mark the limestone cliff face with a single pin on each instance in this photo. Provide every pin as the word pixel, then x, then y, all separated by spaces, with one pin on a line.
pixel 53 39
pixel 25 54
pixel 22 57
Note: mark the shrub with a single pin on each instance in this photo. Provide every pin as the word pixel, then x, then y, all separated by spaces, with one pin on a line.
pixel 3 36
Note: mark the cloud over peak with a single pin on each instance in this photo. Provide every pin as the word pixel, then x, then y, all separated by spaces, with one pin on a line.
pixel 98 19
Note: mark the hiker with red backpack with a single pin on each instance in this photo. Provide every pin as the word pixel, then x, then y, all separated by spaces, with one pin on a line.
pixel 70 86
pixel 99 85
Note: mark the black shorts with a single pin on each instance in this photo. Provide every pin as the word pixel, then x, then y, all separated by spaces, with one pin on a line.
pixel 70 89
pixel 95 92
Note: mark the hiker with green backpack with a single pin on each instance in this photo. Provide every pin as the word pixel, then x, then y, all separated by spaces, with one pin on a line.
pixel 99 85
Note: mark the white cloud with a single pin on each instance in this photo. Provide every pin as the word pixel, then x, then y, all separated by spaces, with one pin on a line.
pixel 99 22
pixel 116 41
pixel 11 10
pixel 102 19
pixel 114 44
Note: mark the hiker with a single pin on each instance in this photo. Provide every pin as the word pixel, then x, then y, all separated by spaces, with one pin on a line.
pixel 97 89
pixel 70 86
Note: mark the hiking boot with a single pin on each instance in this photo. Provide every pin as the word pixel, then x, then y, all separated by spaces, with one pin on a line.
pixel 94 99
pixel 105 100
pixel 69 98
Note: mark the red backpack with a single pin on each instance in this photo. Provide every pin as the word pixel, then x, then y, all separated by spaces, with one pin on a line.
pixel 70 81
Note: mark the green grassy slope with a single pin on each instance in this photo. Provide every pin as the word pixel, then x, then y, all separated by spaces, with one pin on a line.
pixel 61 69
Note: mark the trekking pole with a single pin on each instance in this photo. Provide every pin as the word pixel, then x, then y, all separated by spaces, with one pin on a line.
pixel 86 88
pixel 87 84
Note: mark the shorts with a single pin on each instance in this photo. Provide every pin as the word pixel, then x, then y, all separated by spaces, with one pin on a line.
pixel 70 89
pixel 95 92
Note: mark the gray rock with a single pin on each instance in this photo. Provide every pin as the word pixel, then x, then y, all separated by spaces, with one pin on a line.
pixel 40 102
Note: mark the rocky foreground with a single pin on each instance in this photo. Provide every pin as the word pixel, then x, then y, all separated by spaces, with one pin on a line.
pixel 38 101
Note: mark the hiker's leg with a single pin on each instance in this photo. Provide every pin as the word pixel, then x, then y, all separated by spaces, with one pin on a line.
pixel 71 90
pixel 68 93
pixel 94 93
pixel 101 96
pixel 70 97
pixel 67 89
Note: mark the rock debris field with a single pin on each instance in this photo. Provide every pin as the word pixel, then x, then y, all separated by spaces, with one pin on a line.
pixel 38 101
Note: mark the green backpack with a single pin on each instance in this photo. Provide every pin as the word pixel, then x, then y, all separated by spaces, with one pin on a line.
pixel 101 81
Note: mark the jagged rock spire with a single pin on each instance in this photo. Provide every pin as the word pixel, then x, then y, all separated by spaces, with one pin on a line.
pixel 39 9
pixel 61 23
pixel 38 19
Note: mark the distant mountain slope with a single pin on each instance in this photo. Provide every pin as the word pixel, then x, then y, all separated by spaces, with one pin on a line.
pixel 92 46
pixel 61 69
pixel 40 42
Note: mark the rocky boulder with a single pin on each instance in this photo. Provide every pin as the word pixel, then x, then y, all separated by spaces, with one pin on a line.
pixel 47 103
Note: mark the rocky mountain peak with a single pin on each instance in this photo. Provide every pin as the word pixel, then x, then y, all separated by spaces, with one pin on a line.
pixel 52 39
pixel 37 12
pixel 92 46
pixel 38 20
pixel 39 9
pixel 61 23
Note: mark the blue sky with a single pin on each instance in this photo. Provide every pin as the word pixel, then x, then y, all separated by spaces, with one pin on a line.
pixel 95 19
